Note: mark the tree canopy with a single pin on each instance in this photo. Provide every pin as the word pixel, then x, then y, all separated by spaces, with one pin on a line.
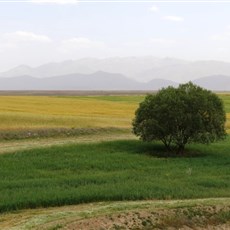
pixel 178 116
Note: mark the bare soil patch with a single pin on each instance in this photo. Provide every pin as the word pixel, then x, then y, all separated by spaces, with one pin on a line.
pixel 199 218
pixel 199 214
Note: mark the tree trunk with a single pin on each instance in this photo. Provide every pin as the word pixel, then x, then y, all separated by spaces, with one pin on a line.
pixel 180 150
pixel 167 146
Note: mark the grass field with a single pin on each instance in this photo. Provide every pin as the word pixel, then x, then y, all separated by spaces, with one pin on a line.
pixel 115 170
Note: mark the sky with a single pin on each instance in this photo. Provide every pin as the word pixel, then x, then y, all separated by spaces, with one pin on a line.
pixel 35 32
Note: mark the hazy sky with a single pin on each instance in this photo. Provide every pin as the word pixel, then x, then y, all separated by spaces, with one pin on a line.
pixel 40 31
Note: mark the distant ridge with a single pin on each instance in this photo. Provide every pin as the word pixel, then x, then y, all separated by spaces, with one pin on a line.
pixel 157 84
pixel 187 71
pixel 104 81
pixel 216 82
pixel 96 81
pixel 142 69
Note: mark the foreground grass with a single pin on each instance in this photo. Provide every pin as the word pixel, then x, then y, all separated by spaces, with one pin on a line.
pixel 115 170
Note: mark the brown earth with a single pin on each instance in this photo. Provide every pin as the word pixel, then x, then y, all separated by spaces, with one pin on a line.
pixel 199 218
pixel 198 214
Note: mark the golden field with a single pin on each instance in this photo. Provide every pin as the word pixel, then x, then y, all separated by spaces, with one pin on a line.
pixel 26 112
pixel 22 112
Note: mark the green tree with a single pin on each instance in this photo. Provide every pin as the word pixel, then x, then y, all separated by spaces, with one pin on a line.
pixel 178 116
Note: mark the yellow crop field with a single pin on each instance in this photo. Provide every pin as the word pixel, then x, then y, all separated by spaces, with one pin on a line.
pixel 26 112
pixel 22 112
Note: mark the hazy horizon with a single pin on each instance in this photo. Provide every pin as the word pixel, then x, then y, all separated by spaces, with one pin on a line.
pixel 36 32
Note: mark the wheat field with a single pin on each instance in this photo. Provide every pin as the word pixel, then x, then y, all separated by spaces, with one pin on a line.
pixel 33 112
pixel 22 112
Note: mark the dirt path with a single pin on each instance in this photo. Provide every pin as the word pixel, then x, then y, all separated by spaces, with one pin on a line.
pixel 12 146
pixel 179 214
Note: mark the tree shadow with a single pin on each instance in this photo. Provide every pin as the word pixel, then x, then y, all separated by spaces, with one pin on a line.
pixel 154 149
pixel 159 151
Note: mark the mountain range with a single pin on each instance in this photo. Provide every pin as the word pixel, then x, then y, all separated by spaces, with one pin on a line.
pixel 96 81
pixel 130 73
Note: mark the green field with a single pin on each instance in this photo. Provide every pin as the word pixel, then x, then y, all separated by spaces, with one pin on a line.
pixel 84 152
pixel 115 170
